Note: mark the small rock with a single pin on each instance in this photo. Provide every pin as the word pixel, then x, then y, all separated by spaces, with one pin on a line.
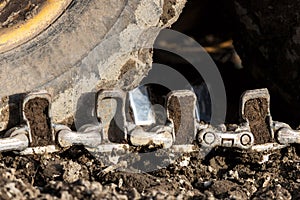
pixel 72 171
pixel 206 184
pixel 234 174
pixel 120 183
pixel 134 194
pixel 221 187
pixel 66 195
pixel 209 195
pixel 185 162
pixel 282 193
pixel 237 194
pixel 266 182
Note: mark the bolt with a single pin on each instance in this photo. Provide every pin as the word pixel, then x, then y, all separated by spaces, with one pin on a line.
pixel 209 138
pixel 245 139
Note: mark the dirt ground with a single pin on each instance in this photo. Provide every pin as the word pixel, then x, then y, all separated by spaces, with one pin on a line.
pixel 75 174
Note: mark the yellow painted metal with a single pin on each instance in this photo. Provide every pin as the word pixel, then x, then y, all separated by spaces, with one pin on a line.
pixel 2 4
pixel 20 33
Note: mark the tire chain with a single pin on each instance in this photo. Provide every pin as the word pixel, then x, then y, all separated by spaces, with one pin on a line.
pixel 181 132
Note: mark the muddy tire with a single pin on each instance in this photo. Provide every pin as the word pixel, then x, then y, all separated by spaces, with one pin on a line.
pixel 90 46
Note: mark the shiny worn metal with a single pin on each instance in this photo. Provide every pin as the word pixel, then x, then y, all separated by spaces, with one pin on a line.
pixel 16 140
pixel 89 136
pixel 288 136
pixel 141 106
pixel 160 136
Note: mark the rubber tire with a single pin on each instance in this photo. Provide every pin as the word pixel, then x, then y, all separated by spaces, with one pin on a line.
pixel 59 48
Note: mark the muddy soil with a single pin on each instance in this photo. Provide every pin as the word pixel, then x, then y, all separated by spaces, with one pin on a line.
pixel 181 113
pixel 256 111
pixel 223 173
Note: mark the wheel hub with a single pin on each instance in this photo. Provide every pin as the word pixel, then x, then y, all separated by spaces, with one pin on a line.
pixel 22 20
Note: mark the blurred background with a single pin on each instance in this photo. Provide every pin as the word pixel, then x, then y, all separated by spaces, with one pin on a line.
pixel 254 45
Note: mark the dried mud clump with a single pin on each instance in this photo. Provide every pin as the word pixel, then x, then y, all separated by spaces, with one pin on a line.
pixel 181 113
pixel 256 111
pixel 36 111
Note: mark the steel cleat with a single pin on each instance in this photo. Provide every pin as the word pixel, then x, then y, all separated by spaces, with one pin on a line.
pixel 114 126
pixel 36 136
pixel 36 110
pixel 36 114
pixel 137 128
pixel 255 111
pixel 145 131
pixel 110 131
pixel 255 133
pixel 181 108
pixel 181 112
